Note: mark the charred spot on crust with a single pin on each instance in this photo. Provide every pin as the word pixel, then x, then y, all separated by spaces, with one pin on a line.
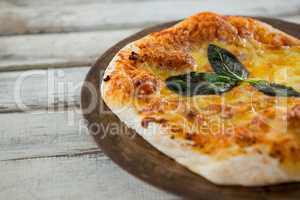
pixel 145 85
pixel 133 56
pixel 294 113
pixel 189 136
pixel 293 118
pixel 191 114
pixel 277 154
pixel 146 88
pixel 146 121
pixel 107 78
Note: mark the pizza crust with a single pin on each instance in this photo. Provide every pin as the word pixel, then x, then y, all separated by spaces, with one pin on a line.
pixel 249 169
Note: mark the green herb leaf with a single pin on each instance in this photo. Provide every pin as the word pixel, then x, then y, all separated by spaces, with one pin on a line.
pixel 229 73
pixel 225 63
pixel 273 89
pixel 194 83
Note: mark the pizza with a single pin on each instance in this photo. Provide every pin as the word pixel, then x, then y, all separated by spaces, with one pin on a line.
pixel 218 94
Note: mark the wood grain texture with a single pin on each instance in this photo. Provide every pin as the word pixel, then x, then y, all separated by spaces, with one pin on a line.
pixel 293 18
pixel 44 134
pixel 56 50
pixel 51 89
pixel 48 156
pixel 91 177
pixel 61 50
pixel 134 154
pixel 32 17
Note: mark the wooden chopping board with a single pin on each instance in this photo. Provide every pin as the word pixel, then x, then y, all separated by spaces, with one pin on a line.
pixel 131 152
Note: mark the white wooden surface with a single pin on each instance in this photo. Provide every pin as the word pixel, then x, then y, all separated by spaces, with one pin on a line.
pixel 45 150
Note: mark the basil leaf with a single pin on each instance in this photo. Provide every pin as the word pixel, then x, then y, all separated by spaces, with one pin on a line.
pixel 225 63
pixel 273 89
pixel 194 83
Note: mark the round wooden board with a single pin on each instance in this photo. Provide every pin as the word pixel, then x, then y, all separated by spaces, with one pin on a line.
pixel 139 158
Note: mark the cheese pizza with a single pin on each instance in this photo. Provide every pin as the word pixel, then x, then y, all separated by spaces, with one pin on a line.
pixel 218 94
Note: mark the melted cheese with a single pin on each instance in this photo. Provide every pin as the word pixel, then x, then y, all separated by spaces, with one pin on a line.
pixel 219 126
pixel 280 65
pixel 242 117
pixel 252 112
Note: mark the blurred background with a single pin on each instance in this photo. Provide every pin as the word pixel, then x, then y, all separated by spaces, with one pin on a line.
pixel 94 25
pixel 46 49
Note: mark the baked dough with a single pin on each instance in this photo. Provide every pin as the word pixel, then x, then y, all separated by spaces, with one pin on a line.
pixel 242 137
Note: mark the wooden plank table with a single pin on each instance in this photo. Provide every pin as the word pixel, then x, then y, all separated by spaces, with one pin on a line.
pixel 46 48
